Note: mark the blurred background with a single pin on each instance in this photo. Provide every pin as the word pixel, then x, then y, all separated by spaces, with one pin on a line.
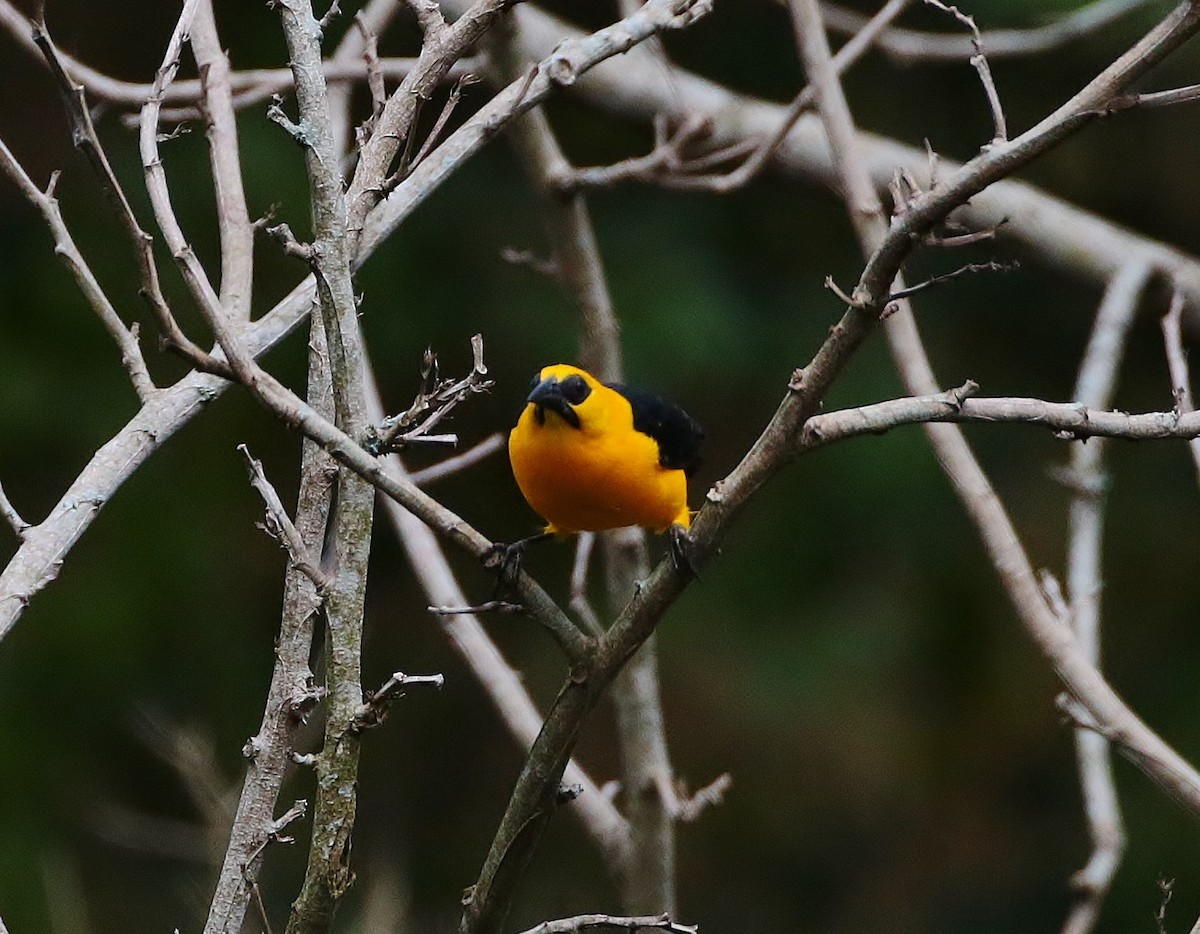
pixel 897 761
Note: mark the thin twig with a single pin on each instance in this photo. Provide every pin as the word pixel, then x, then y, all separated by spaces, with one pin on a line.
pixel 436 399
pixel 583 922
pixel 980 64
pixel 969 268
pixel 281 528
pixel 374 709
pixel 11 516
pixel 489 606
pixel 577 598
pixel 1153 99
pixel 1177 365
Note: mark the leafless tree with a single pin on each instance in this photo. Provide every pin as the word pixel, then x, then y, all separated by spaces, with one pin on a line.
pixel 363 186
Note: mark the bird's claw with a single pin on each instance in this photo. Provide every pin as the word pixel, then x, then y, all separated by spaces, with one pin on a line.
pixel 682 551
pixel 506 559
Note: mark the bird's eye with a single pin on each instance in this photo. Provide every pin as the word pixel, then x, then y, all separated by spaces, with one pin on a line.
pixel 575 389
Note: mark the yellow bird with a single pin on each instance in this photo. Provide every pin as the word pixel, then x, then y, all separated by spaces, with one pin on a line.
pixel 590 456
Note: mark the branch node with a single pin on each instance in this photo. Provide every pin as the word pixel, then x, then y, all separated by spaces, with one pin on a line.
pixel 374 711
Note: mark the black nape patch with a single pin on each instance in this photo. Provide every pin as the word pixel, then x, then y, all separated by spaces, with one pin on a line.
pixel 678 434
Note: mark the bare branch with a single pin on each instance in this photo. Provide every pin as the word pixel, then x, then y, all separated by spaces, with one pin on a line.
pixel 969 268
pixel 436 399
pixel 980 64
pixel 688 808
pixel 280 527
pixel 370 54
pixel 194 275
pixel 583 922
pixel 668 165
pixel 578 597
pixel 1177 365
pixel 291 694
pixel 1154 99
pixel 374 709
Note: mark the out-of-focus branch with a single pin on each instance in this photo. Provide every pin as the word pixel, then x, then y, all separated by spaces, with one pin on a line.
pixel 1094 387
pixel 1177 365
pixel 249 87
pixel 668 164
pixel 910 45
pixel 125 337
pixel 369 22
pixel 459 462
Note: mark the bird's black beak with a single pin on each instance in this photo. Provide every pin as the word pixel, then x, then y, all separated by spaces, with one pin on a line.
pixel 548 395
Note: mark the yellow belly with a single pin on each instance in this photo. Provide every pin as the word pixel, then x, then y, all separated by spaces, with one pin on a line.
pixel 581 481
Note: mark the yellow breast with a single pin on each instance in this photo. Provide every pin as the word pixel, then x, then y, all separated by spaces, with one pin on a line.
pixel 602 475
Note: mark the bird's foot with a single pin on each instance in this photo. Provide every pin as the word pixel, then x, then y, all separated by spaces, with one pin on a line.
pixel 683 550
pixel 506 558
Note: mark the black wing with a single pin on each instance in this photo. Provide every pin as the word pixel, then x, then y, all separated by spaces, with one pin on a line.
pixel 677 433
